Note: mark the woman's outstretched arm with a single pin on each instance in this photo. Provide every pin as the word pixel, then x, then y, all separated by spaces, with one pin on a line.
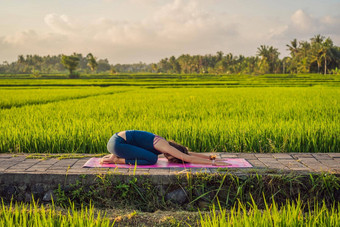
pixel 164 147
pixel 209 157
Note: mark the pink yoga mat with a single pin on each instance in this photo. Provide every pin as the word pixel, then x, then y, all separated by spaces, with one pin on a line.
pixel 163 163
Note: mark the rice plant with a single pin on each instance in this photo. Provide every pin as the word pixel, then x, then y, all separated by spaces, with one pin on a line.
pixel 293 213
pixel 37 215
pixel 268 119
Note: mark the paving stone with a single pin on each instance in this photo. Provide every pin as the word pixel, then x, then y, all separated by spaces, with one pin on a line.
pixel 2 169
pixel 81 162
pixel 101 170
pixel 322 156
pixel 247 156
pixel 79 171
pixel 78 167
pixel 36 169
pixel 282 156
pixel 297 156
pixel 321 169
pixel 65 162
pixel 269 162
pixel 41 166
pixel 266 155
pixel 6 155
pixel 291 163
pixel 164 171
pixel 56 171
pixel 119 170
pixel 12 170
pixel 256 163
pixel 275 165
pixel 330 163
pixel 229 155
pixel 318 162
pixel 31 161
pixel 301 169
pixel 198 170
pixel 310 162
pixel 21 167
pixel 334 155
pixel 177 170
pixel 50 161
pixel 143 171
pixel 64 168
pixel 8 164
pixel 18 158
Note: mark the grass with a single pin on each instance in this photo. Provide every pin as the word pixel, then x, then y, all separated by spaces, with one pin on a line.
pixel 290 214
pixel 177 80
pixel 17 97
pixel 38 215
pixel 81 120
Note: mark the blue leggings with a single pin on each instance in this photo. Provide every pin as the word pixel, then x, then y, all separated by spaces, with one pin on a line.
pixel 132 154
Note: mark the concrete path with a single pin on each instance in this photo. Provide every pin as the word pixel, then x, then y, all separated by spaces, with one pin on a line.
pixel 271 163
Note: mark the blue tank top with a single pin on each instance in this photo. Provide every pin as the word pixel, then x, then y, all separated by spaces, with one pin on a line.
pixel 141 139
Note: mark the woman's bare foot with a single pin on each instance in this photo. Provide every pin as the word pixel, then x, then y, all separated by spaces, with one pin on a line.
pixel 112 159
pixel 107 159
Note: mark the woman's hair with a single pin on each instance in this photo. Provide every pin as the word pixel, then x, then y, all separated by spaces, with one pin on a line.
pixel 179 147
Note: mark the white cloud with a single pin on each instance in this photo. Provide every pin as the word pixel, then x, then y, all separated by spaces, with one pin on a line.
pixel 174 28
pixel 302 21
pixel 303 24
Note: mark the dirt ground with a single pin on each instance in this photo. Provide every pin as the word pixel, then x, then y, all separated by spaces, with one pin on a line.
pixel 157 218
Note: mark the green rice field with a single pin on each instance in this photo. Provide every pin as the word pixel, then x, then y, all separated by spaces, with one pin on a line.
pixel 292 213
pixel 34 214
pixel 218 113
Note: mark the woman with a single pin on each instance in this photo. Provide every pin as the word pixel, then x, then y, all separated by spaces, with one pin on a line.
pixel 128 147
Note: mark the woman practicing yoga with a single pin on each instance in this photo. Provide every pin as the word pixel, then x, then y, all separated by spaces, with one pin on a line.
pixel 128 147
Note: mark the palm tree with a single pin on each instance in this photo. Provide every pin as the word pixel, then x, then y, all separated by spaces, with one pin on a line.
pixel 326 53
pixel 317 39
pixel 91 62
pixel 269 53
pixel 316 43
pixel 293 47
pixel 219 55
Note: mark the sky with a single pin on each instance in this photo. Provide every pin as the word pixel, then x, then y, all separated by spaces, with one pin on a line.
pixel 132 31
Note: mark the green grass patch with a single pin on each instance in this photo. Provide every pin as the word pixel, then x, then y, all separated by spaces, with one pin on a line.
pixel 39 215
pixel 81 120
pixel 292 213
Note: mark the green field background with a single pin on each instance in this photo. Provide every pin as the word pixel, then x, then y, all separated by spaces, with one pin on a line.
pixel 231 119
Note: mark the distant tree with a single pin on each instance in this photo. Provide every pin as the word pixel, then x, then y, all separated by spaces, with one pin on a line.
pixel 91 62
pixel 103 65
pixel 154 67
pixel 175 66
pixel 219 55
pixel 221 66
pixel 270 55
pixel 326 52
pixel 164 65
pixel 113 70
pixel 263 66
pixel 293 47
pixel 315 55
pixel 70 62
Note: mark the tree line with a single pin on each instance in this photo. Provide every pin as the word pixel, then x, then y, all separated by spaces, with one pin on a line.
pixel 318 55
